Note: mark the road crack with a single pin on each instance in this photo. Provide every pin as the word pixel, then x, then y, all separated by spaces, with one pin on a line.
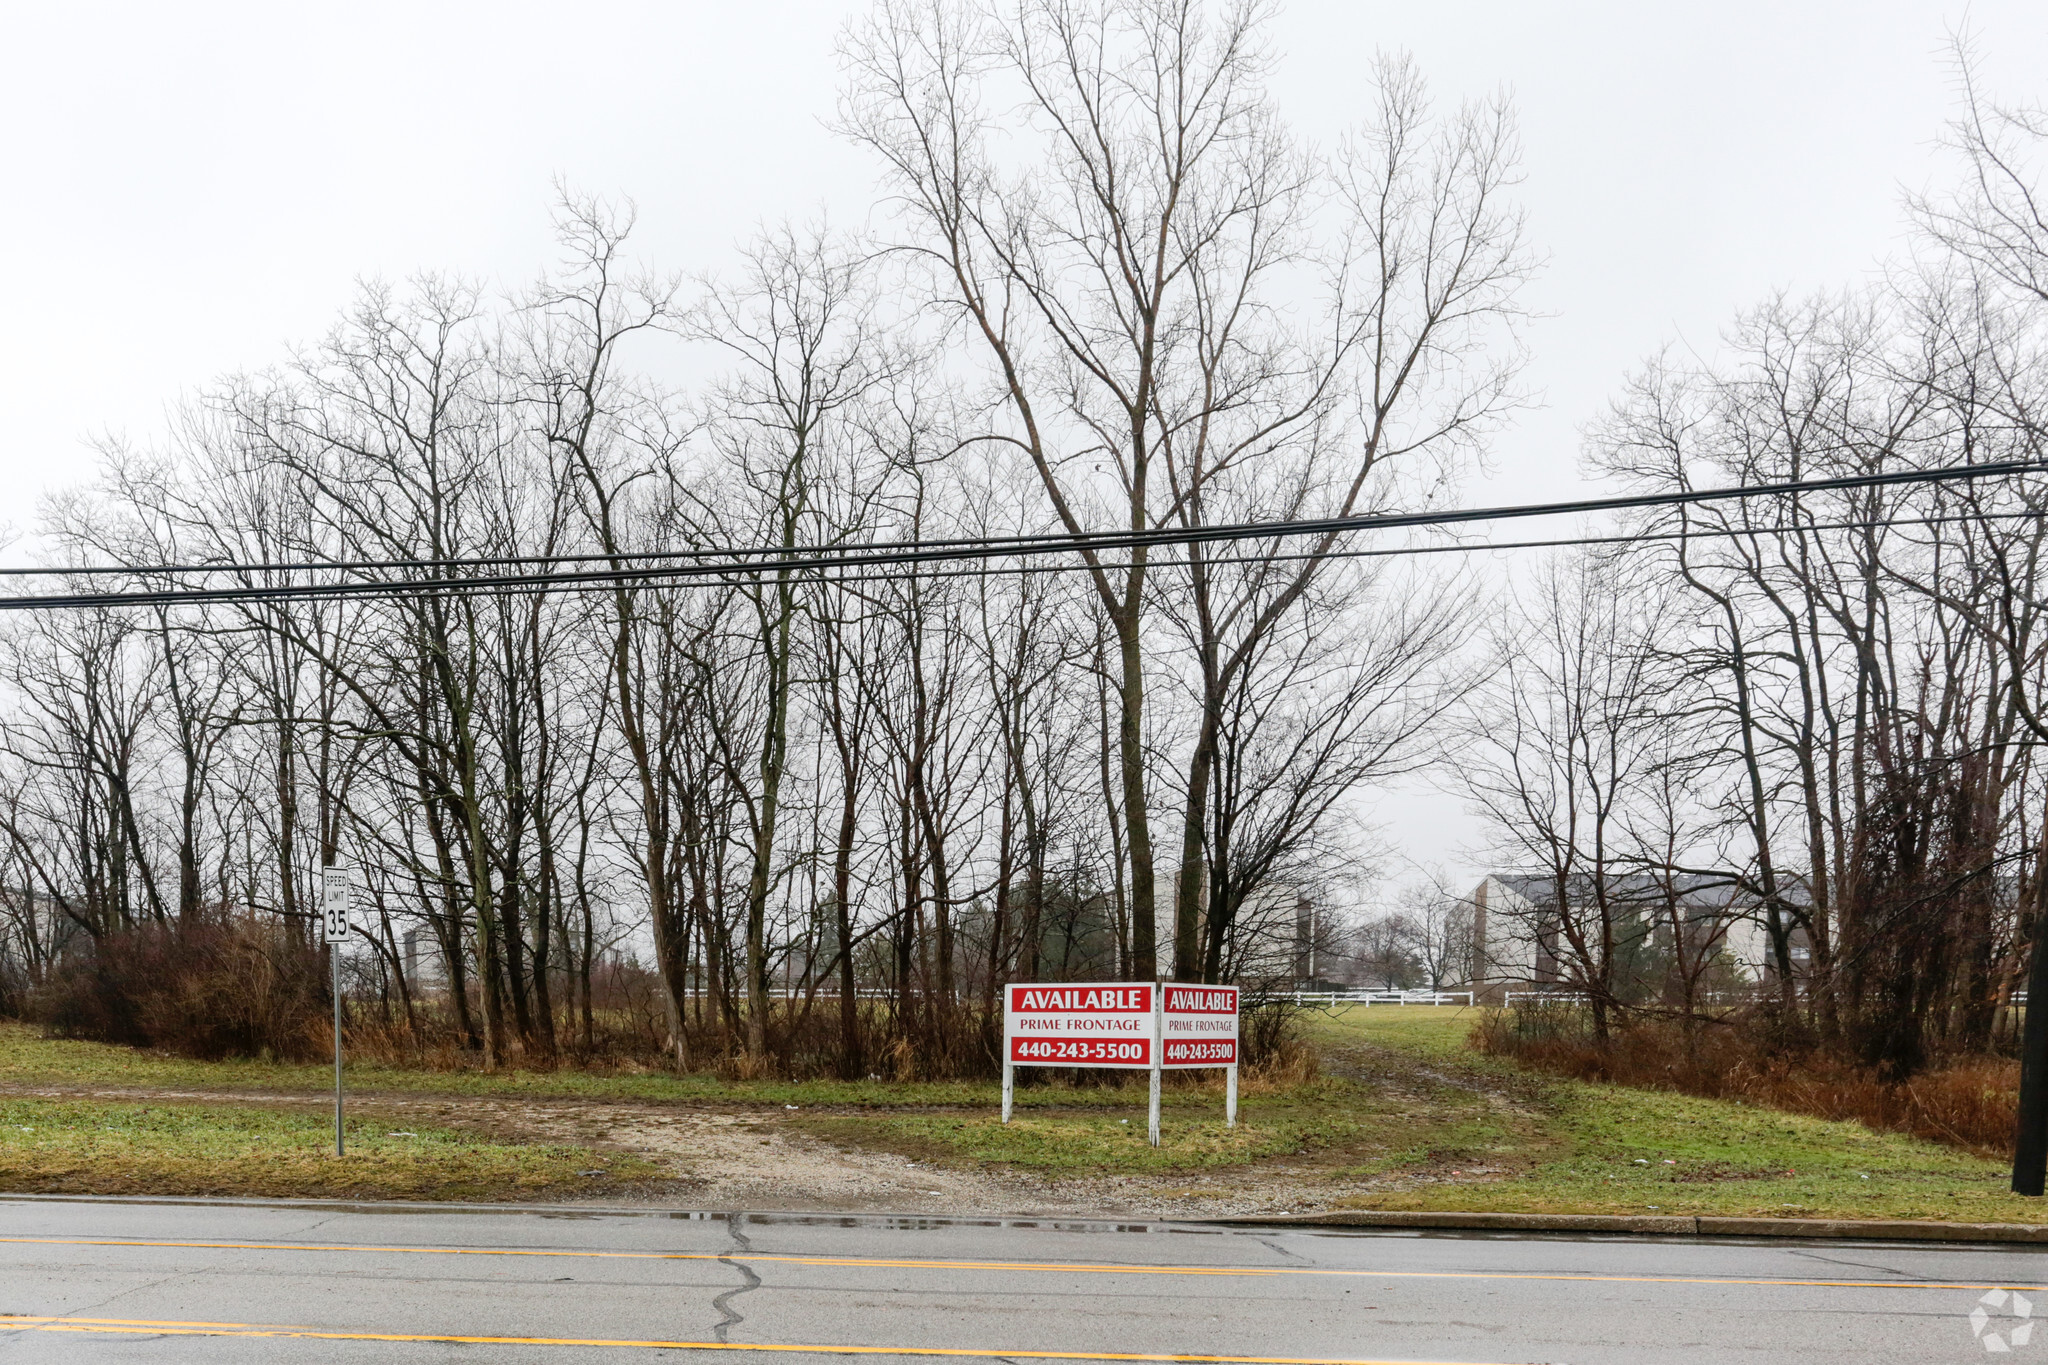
pixel 735 1222
pixel 1281 1251
pixel 1807 1254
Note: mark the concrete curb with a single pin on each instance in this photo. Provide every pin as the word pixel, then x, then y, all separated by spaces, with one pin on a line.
pixel 1881 1230
pixel 1641 1225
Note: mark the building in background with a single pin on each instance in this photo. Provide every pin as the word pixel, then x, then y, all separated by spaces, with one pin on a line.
pixel 1674 937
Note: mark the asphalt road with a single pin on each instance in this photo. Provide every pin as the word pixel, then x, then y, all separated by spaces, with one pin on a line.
pixel 226 1283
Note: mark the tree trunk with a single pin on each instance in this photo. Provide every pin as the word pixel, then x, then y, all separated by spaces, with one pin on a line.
pixel 1144 963
pixel 851 1066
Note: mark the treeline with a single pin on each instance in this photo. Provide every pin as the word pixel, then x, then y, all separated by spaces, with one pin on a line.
pixel 809 818
pixel 821 814
pixel 1819 713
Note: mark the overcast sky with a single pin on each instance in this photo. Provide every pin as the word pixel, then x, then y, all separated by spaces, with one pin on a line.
pixel 191 188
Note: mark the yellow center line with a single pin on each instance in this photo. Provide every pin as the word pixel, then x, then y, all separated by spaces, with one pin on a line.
pixel 889 1263
pixel 132 1326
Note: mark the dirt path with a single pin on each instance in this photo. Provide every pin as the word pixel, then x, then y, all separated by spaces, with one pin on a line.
pixel 753 1159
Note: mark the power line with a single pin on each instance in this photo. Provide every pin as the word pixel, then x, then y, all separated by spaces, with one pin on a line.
pixel 720 565
pixel 1043 542
pixel 536 584
pixel 542 585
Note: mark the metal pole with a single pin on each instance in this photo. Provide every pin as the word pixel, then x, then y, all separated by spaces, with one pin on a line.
pixel 334 956
pixel 1158 1048
pixel 1009 1067
pixel 2030 1132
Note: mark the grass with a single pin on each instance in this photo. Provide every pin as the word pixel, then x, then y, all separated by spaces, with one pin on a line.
pixel 1404 1116
pixel 99 1147
pixel 1635 1151
pixel 28 1060
pixel 1969 1103
pixel 1564 1146
pixel 1106 1136
pixel 1435 1032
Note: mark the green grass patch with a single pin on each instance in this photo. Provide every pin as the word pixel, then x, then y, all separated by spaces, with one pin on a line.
pixel 101 1147
pixel 1635 1149
pixel 1420 1031
pixel 1562 1146
pixel 27 1059
pixel 1303 1122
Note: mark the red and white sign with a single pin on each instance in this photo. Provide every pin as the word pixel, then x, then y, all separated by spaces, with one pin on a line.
pixel 1066 1025
pixel 1113 1025
pixel 1200 1026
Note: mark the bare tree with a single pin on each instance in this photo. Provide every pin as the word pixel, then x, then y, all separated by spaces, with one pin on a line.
pixel 1998 224
pixel 1437 925
pixel 1124 279
pixel 1562 735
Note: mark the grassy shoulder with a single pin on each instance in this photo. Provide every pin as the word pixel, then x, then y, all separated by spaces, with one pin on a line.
pixel 51 1146
pixel 1407 1117
pixel 1404 1116
pixel 1578 1147
pixel 1633 1151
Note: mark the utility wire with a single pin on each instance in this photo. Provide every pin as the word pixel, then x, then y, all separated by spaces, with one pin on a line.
pixel 533 584
pixel 928 551
pixel 717 561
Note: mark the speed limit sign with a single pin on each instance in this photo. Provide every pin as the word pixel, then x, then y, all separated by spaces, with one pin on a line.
pixel 336 884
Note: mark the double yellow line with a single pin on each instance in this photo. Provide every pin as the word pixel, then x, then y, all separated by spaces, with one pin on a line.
pixel 152 1327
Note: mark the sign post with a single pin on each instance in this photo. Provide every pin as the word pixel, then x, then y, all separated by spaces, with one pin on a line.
pixel 1149 1026
pixel 1158 1033
pixel 335 889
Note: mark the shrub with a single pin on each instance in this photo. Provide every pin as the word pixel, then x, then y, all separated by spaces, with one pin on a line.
pixel 1269 1039
pixel 239 988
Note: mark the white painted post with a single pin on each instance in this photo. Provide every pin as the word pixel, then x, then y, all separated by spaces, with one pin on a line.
pixel 334 956
pixel 1230 1095
pixel 1158 1050
pixel 1009 1069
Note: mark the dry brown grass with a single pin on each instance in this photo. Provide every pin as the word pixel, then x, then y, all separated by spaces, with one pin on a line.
pixel 1970 1103
pixel 1292 1062
pixel 245 987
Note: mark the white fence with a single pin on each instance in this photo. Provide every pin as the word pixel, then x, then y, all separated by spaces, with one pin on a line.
pixel 1327 998
pixel 1711 997
pixel 1548 997
pixel 788 992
